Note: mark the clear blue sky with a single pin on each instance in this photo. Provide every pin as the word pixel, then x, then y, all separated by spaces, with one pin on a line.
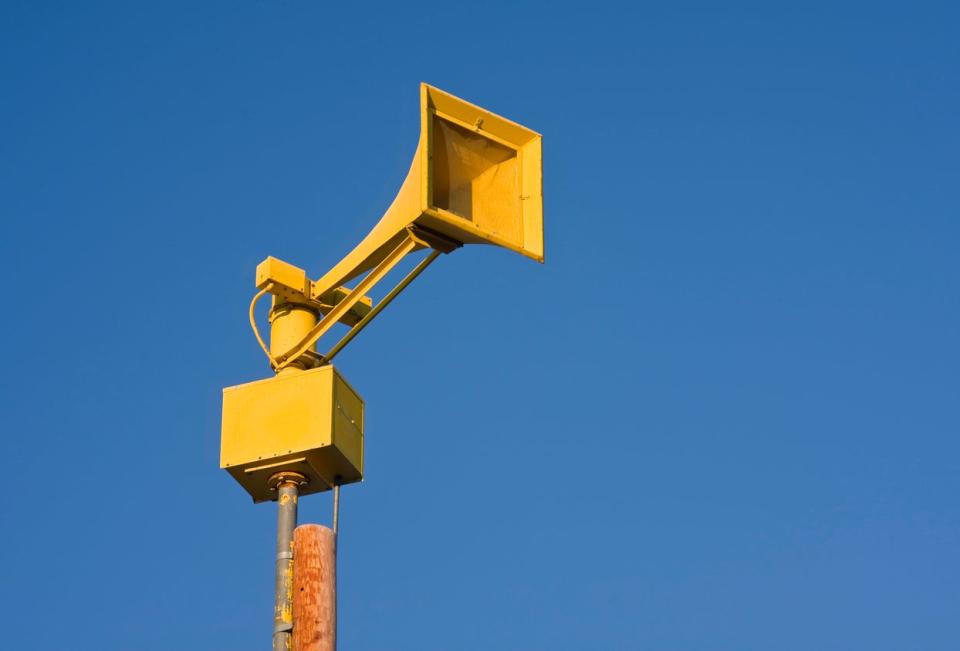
pixel 723 416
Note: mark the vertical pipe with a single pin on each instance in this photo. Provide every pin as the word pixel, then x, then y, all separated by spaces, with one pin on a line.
pixel 314 595
pixel 287 491
pixel 289 323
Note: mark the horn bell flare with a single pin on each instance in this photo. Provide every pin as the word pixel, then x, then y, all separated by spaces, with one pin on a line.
pixel 476 178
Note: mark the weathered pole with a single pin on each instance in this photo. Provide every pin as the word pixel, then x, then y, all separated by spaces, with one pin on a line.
pixel 314 588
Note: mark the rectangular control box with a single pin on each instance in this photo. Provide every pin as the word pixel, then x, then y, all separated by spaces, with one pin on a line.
pixel 309 422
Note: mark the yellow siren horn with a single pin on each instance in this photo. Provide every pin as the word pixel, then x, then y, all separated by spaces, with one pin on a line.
pixel 476 178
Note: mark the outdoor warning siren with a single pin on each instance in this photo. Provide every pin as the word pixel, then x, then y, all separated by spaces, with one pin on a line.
pixel 475 179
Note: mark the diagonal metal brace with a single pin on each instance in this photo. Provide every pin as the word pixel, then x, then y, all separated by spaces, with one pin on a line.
pixel 409 243
pixel 382 303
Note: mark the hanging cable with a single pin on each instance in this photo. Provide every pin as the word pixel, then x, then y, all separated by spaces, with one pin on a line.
pixel 253 323
pixel 336 508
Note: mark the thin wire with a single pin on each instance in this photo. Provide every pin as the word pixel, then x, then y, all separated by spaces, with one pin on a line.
pixel 336 555
pixel 336 510
pixel 253 322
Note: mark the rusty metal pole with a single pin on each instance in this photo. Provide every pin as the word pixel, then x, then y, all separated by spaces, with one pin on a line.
pixel 287 485
pixel 314 594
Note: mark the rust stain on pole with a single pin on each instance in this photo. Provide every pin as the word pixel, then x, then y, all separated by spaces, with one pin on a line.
pixel 314 588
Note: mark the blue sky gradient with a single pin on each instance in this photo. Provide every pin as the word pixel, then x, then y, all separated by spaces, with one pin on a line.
pixel 723 416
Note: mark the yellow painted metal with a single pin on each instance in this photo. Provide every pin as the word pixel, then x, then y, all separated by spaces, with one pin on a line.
pixel 409 243
pixel 291 284
pixel 288 281
pixel 288 322
pixel 381 304
pixel 310 422
pixel 476 178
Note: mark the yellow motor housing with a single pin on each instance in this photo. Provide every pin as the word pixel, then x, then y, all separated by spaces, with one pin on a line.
pixel 308 422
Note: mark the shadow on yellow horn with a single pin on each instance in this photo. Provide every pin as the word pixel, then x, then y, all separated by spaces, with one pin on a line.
pixel 476 178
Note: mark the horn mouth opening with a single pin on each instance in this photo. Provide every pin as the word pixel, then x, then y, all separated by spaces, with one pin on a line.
pixel 476 178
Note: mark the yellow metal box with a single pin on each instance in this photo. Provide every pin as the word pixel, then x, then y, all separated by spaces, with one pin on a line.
pixel 310 422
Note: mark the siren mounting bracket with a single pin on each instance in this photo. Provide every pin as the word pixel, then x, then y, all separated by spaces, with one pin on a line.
pixel 290 285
